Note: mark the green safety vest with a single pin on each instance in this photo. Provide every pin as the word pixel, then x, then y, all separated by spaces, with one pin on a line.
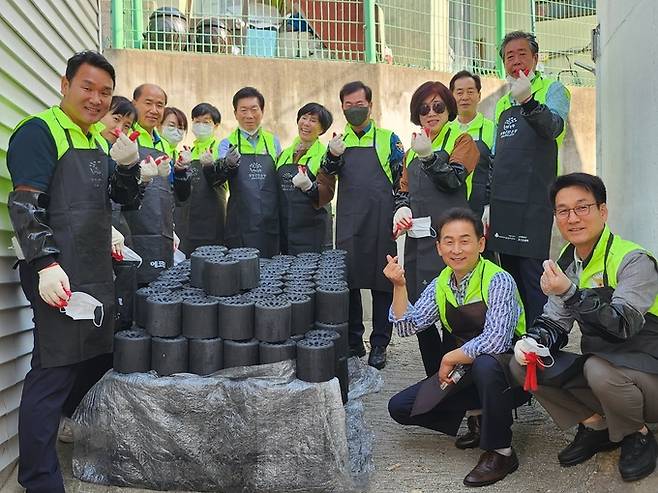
pixel 58 122
pixel 439 143
pixel 201 146
pixel 311 158
pixel 265 144
pixel 474 126
pixel 146 140
pixel 383 144
pixel 476 291
pixel 604 264
pixel 539 89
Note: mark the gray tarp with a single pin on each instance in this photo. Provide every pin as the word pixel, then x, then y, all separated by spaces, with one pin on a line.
pixel 248 429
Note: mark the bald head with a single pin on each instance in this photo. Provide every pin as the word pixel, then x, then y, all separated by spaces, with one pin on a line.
pixel 150 101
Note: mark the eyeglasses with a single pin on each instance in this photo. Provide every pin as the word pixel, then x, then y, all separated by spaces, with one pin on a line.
pixel 438 107
pixel 580 211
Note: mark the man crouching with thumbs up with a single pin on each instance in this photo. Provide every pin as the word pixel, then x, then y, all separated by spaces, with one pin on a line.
pixel 478 308
pixel 609 286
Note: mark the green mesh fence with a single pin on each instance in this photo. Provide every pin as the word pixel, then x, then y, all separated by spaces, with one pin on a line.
pixel 444 35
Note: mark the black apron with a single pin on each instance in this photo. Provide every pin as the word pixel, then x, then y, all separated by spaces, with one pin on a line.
pixel 467 322
pixel 525 166
pixel 303 227
pixel 200 219
pixel 252 218
pixel 364 217
pixel 422 262
pixel 80 217
pixel 478 198
pixel 152 225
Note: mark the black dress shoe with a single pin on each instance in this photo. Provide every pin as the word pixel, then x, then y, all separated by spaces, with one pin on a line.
pixel 359 350
pixel 471 439
pixel 377 357
pixel 491 468
pixel 638 456
pixel 585 445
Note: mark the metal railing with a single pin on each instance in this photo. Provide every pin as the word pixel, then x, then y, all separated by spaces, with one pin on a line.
pixel 444 35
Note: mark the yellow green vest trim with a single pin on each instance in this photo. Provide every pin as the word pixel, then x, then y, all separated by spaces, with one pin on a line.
pixel 146 140
pixel 265 143
pixel 58 121
pixel 383 144
pixel 477 289
pixel 437 142
pixel 201 146
pixel 592 275
pixel 539 88
pixel 474 126
pixel 311 158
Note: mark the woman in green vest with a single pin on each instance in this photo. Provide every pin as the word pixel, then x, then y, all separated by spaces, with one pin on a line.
pixel 173 130
pixel 433 180
pixel 305 193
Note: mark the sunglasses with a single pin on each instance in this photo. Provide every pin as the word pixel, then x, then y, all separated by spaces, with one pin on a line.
pixel 438 107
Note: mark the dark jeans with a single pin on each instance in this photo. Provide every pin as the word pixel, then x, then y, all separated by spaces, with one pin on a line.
pixel 381 327
pixel 431 349
pixel 489 392
pixel 527 272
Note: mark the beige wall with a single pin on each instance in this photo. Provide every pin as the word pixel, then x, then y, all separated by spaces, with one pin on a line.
pixel 288 84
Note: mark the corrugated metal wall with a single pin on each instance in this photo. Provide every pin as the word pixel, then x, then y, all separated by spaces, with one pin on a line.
pixel 36 39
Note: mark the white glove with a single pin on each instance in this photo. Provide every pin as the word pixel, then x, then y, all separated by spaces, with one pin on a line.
pixel 185 157
pixel 232 158
pixel 54 287
pixel 421 145
pixel 206 158
pixel 148 169
pixel 522 346
pixel 176 241
pixel 402 220
pixel 124 151
pixel 337 145
pixel 485 219
pixel 164 168
pixel 301 179
pixel 117 244
pixel 520 88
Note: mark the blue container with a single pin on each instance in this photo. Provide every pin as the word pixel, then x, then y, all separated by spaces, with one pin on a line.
pixel 261 42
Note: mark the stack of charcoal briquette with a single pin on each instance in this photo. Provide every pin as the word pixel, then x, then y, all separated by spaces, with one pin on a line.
pixel 224 308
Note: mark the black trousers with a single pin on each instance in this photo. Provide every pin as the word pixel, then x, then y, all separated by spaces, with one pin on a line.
pixel 381 327
pixel 431 349
pixel 45 391
pixel 489 392
pixel 527 272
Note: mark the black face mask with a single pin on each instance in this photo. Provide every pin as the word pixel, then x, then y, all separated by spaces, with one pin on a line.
pixel 356 115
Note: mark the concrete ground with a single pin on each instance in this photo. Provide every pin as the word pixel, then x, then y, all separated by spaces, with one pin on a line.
pixel 414 460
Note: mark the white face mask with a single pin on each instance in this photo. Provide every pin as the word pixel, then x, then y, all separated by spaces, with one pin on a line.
pixel 82 306
pixel 172 135
pixel 131 256
pixel 202 130
pixel 421 227
pixel 533 346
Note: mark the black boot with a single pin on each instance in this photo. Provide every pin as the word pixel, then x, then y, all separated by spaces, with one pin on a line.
pixel 638 456
pixel 377 357
pixel 471 439
pixel 585 444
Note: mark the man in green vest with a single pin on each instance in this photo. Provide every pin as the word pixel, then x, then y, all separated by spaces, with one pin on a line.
pixel 368 163
pixel 609 286
pixel 478 308
pixel 467 90
pixel 530 125
pixel 60 210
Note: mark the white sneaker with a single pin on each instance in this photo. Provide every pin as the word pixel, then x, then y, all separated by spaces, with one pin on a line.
pixel 65 431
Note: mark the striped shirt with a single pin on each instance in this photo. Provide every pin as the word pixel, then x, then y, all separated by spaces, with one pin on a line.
pixel 503 311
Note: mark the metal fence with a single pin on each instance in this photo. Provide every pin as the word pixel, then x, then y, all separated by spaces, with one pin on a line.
pixel 444 35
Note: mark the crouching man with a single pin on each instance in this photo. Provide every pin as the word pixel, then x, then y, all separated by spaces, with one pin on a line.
pixel 478 308
pixel 609 286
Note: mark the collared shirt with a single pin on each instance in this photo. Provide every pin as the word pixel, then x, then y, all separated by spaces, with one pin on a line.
pixel 459 288
pixel 503 312
pixel 252 138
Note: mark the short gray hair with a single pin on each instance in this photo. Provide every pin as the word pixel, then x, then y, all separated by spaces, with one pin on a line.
pixel 529 37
